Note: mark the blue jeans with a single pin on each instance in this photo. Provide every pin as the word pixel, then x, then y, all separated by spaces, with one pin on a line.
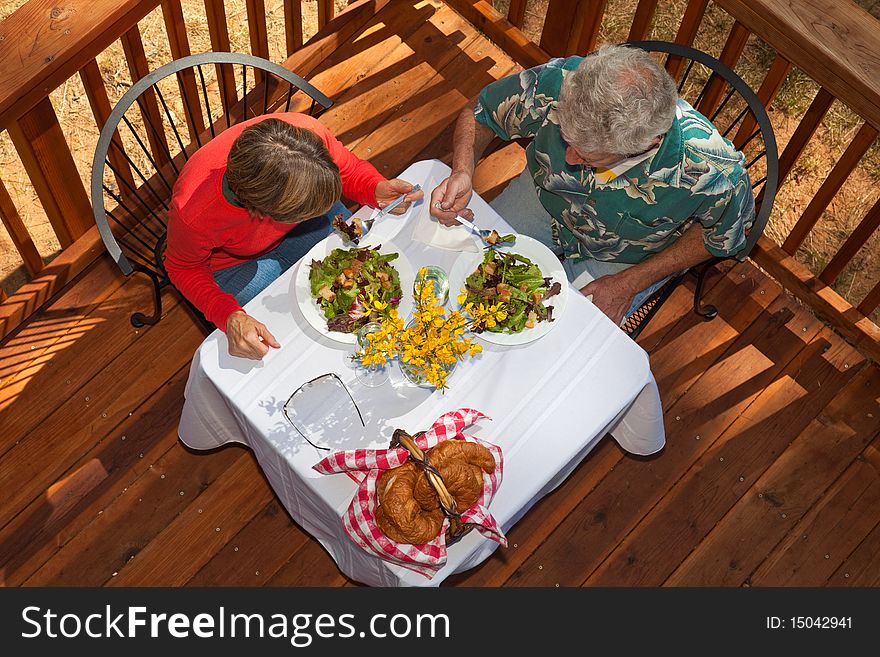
pixel 518 204
pixel 247 280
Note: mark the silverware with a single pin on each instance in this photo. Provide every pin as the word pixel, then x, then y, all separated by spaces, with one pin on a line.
pixel 388 208
pixel 367 224
pixel 486 234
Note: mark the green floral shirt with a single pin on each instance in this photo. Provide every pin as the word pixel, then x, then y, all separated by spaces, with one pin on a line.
pixel 694 175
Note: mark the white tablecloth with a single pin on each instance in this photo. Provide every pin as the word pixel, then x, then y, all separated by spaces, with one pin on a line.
pixel 551 401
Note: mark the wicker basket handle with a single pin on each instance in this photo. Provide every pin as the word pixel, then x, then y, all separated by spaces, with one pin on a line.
pixel 403 439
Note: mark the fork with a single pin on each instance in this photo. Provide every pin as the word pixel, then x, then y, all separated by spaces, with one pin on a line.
pixel 367 224
pixel 482 232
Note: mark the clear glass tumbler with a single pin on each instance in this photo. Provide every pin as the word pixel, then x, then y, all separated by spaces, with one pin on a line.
pixel 371 375
pixel 439 278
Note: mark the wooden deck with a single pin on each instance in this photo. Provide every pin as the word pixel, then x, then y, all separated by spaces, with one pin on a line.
pixel 771 474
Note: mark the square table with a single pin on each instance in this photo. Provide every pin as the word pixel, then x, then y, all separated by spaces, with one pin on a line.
pixel 551 400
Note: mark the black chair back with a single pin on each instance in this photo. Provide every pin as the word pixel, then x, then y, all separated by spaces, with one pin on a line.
pixel 723 97
pixel 154 129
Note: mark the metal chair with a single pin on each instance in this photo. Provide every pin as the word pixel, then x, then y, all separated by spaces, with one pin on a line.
pixel 722 96
pixel 134 170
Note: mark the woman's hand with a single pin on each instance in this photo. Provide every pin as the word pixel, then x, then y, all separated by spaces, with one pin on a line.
pixel 390 190
pixel 247 337
pixel 449 198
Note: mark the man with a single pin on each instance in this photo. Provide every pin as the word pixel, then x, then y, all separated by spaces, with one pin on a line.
pixel 252 202
pixel 624 178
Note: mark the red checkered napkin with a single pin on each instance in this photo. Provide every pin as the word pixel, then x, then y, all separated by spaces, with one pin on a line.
pixel 366 465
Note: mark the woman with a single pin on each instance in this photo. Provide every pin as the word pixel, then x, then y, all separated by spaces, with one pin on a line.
pixel 252 202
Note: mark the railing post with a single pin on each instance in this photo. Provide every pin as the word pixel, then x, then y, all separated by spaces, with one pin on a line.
pixel 571 26
pixel 40 143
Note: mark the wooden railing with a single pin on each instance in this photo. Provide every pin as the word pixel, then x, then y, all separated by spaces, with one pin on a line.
pixel 46 43
pixel 834 42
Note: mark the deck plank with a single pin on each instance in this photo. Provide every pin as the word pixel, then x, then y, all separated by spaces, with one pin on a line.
pixel 257 552
pixel 234 498
pixel 310 566
pixel 795 480
pixel 48 325
pixel 40 458
pixel 104 332
pixel 862 567
pixel 631 491
pixel 566 502
pixel 83 507
pixel 86 491
pixel 736 460
pixel 828 533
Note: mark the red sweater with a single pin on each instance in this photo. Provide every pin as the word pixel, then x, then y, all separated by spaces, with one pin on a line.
pixel 207 233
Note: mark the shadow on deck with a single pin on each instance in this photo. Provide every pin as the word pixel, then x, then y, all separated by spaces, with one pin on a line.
pixel 770 475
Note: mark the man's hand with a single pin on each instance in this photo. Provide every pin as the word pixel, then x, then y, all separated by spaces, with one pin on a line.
pixel 247 337
pixel 449 198
pixel 613 295
pixel 389 190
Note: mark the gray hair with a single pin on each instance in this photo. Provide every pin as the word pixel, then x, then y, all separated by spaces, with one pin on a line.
pixel 617 101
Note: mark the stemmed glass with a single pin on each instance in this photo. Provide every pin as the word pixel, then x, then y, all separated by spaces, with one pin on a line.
pixel 371 375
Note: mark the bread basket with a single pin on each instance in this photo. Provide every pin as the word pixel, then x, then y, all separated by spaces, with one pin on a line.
pixel 457 529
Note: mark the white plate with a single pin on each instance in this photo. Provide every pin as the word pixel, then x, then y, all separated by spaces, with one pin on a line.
pixel 549 265
pixel 310 308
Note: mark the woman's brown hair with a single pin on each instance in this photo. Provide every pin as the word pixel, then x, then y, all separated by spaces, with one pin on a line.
pixel 283 172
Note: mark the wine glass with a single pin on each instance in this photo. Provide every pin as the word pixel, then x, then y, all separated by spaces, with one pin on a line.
pixel 370 375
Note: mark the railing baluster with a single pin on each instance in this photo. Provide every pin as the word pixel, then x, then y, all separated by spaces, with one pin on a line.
pixel 687 31
pixel 847 162
pixel 256 13
pixel 802 134
pixel 175 26
pixel 730 55
pixel 325 12
pixel 219 33
pixel 585 28
pixel 516 12
pixel 641 24
pixel 96 92
pixel 871 301
pixel 18 233
pixel 293 29
pixel 571 26
pixel 773 81
pixel 856 241
pixel 133 47
pixel 43 150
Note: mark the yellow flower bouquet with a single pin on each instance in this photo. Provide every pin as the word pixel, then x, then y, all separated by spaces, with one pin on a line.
pixel 432 342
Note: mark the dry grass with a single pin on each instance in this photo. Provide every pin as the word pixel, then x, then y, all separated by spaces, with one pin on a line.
pixel 848 207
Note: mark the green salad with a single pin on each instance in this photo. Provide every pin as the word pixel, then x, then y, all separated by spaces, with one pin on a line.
pixel 516 282
pixel 343 282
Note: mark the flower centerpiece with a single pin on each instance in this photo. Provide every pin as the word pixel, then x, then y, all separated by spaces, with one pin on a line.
pixel 432 341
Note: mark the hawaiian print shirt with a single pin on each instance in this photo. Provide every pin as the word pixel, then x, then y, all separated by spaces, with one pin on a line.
pixel 624 214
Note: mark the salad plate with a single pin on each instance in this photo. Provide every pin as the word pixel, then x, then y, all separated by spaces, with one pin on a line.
pixel 535 253
pixel 314 312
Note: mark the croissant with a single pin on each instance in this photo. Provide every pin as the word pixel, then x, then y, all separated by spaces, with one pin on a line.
pixel 409 508
pixel 472 453
pixel 399 516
